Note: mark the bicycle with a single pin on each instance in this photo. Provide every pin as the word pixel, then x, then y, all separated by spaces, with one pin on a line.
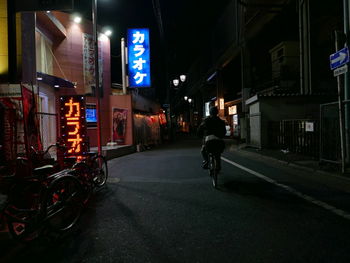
pixel 213 173
pixel 46 200
pixel 214 149
pixel 92 172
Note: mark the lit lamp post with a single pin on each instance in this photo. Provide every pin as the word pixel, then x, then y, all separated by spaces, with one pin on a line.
pixel 176 81
pixel 190 115
pixel 97 73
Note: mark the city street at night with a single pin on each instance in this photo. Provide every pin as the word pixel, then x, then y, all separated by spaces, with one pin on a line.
pixel 159 206
pixel 174 131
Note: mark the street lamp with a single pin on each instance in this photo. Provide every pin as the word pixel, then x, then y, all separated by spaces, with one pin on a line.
pixel 176 82
pixel 77 19
pixel 183 78
pixel 108 33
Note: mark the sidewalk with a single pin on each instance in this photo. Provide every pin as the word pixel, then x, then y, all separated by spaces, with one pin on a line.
pixel 111 152
pixel 299 161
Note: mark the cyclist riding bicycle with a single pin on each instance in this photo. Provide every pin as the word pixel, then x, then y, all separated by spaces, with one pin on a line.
pixel 213 130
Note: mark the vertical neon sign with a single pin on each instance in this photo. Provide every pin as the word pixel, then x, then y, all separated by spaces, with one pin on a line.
pixel 139 57
pixel 73 124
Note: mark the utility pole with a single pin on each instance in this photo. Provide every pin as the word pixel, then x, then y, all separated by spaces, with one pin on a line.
pixel 122 46
pixel 97 75
pixel 346 83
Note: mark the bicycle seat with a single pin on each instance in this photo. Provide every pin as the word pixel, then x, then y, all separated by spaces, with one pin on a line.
pixel 43 169
pixel 91 154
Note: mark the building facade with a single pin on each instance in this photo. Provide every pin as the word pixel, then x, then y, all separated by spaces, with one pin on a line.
pixel 271 60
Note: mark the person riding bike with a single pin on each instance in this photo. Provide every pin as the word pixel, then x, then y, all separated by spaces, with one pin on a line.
pixel 213 130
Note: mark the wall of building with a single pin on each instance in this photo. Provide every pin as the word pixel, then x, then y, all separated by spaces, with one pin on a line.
pixel 255 124
pixel 3 41
pixel 122 102
pixel 68 64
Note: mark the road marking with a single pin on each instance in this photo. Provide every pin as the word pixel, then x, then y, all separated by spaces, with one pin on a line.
pixel 308 198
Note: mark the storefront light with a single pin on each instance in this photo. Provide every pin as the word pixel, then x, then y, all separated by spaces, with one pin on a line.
pixel 207 106
pixel 222 104
pixel 232 110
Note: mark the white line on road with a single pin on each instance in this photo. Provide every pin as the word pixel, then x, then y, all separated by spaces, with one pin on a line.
pixel 308 198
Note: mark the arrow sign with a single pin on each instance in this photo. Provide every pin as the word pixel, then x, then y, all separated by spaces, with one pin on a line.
pixel 339 58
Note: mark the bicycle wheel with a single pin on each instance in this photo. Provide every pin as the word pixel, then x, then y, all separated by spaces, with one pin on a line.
pixel 63 203
pixel 100 169
pixel 213 171
pixel 23 211
pixel 84 174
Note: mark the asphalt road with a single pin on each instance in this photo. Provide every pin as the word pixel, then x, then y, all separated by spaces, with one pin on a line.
pixel 159 206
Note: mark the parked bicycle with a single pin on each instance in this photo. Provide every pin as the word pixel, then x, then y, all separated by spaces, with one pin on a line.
pixel 46 200
pixel 50 197
pixel 92 172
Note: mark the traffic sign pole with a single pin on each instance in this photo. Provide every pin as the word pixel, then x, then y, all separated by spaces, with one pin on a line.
pixel 340 109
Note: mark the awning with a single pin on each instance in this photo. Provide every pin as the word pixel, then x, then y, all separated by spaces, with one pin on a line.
pixel 54 81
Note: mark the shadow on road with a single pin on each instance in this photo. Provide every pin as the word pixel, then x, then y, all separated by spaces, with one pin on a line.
pixel 258 189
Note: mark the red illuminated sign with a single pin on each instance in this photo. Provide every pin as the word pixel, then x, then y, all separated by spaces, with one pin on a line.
pixel 73 124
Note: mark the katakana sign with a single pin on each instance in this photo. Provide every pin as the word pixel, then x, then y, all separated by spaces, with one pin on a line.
pixel 73 124
pixel 139 58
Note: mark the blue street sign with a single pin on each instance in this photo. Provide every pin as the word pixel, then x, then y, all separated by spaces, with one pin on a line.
pixel 339 58
pixel 139 58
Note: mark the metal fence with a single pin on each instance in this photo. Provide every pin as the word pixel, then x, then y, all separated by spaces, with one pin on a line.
pixel 297 136
pixel 330 150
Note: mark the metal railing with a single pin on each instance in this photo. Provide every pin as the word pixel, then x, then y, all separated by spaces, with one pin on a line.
pixel 297 136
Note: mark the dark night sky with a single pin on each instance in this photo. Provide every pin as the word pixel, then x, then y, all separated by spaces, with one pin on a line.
pixel 185 23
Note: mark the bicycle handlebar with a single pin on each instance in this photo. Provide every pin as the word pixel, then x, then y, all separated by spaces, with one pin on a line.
pixel 57 144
